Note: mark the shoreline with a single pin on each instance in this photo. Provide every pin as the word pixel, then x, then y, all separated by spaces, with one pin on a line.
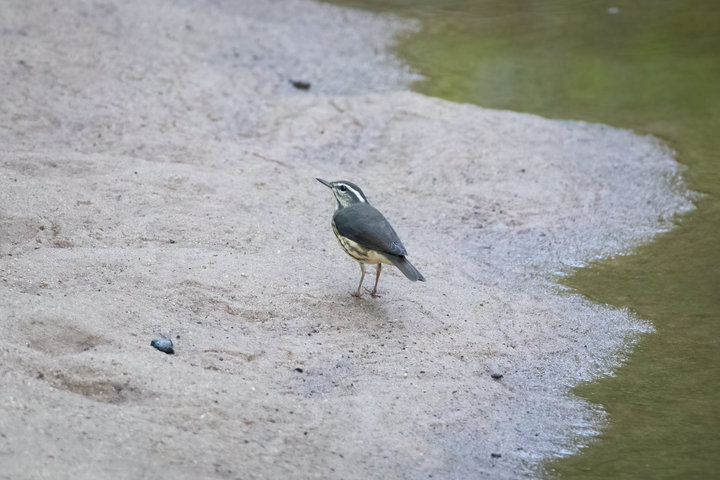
pixel 191 132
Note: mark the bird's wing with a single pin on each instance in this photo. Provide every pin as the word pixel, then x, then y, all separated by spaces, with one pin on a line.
pixel 363 224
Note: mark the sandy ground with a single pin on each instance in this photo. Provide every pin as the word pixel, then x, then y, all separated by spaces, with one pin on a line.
pixel 157 177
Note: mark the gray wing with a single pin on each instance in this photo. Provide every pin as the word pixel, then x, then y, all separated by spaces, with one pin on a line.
pixel 363 224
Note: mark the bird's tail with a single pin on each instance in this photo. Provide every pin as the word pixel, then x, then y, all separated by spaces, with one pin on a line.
pixel 406 267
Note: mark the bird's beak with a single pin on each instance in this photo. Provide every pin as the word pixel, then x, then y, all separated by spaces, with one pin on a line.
pixel 324 182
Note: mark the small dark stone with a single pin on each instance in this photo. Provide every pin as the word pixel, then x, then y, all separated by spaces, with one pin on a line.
pixel 300 85
pixel 496 376
pixel 171 241
pixel 165 345
pixel 495 455
pixel 299 370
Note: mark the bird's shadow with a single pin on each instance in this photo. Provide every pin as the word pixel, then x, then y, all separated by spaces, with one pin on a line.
pixel 350 309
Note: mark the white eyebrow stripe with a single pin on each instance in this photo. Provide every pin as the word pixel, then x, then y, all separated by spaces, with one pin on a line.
pixel 357 194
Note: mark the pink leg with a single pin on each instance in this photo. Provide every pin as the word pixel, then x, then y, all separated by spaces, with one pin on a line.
pixel 362 277
pixel 377 277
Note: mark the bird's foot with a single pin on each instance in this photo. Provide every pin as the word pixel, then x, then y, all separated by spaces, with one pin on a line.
pixel 373 293
pixel 357 294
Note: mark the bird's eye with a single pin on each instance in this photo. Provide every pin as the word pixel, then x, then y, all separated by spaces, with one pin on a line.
pixel 343 188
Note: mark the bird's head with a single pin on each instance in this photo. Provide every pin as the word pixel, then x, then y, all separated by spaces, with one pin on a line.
pixel 346 193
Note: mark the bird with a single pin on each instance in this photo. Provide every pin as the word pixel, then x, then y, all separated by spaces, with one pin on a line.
pixel 365 234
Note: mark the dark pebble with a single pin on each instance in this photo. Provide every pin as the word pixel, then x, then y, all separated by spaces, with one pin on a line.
pixel 300 85
pixel 496 376
pixel 165 345
pixel 299 370
pixel 495 455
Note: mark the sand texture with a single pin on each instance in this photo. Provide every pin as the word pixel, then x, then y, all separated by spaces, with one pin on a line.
pixel 157 178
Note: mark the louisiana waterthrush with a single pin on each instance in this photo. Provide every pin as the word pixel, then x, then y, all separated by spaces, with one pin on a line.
pixel 365 234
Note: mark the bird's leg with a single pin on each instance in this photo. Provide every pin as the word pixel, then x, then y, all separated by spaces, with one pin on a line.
pixel 373 293
pixel 362 277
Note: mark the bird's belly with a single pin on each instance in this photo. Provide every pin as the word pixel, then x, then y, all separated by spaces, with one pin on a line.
pixel 360 253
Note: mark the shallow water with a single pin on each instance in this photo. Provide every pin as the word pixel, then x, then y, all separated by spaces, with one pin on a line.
pixel 652 66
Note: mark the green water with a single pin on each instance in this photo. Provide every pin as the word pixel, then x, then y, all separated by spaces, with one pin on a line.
pixel 654 67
